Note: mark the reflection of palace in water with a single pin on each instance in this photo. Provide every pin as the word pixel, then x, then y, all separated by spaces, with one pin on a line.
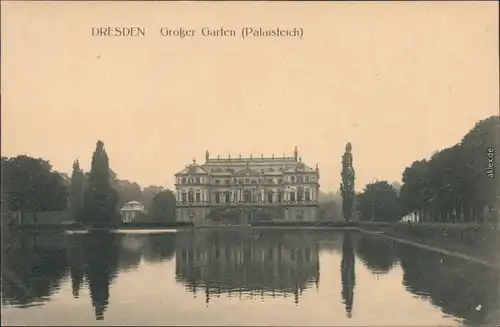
pixel 250 263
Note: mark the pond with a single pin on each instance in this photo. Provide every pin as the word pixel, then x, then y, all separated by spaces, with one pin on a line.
pixel 239 277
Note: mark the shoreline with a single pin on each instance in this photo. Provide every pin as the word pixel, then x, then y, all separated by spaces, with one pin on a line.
pixel 442 250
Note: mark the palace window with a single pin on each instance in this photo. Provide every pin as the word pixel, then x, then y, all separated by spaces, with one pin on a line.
pixel 300 194
pixel 292 178
pixel 190 195
pixel 306 178
pixel 247 181
pixel 217 181
pixel 217 197
pixel 198 197
pixel 183 180
pixel 247 196
pixel 228 197
pixel 292 196
pixel 269 181
pixel 308 195
pixel 197 180
pixel 240 181
pixel 280 181
pixel 254 181
pixel 270 197
pixel 226 182
pixel 279 197
pixel 184 197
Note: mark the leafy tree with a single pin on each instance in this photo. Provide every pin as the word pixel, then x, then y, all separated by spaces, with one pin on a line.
pixel 454 185
pixel 329 210
pixel 77 191
pixel 347 185
pixel 100 200
pixel 378 202
pixel 163 206
pixel 30 185
pixel 484 188
pixel 127 191
pixel 149 193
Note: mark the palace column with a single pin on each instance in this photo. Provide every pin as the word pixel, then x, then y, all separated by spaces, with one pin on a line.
pixel 262 195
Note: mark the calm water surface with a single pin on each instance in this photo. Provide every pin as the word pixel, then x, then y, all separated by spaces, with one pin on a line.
pixel 245 277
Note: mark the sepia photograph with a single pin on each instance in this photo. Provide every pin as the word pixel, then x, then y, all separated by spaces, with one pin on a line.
pixel 250 163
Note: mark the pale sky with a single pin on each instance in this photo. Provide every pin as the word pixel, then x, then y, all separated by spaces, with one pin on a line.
pixel 398 80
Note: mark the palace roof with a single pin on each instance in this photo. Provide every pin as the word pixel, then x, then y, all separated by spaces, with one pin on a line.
pixel 248 166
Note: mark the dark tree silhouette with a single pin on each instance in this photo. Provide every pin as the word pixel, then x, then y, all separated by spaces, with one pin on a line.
pixel 163 206
pixel 454 185
pixel 347 185
pixel 101 200
pixel 378 202
pixel 30 185
pixel 148 194
pixel 127 191
pixel 77 191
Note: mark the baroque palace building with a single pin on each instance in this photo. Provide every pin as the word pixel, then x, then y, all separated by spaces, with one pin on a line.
pixel 241 190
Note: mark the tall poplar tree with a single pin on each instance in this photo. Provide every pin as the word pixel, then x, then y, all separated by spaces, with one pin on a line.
pixel 347 184
pixel 76 191
pixel 101 199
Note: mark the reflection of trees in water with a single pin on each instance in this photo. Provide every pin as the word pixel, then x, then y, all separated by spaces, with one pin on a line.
pixel 460 288
pixel 161 247
pixel 32 267
pixel 348 273
pixel 131 250
pixel 247 263
pixel 100 253
pixel 153 247
pixel 98 256
pixel 76 264
pixel 33 264
pixel 376 253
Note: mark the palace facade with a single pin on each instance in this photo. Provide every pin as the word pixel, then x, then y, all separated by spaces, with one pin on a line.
pixel 241 190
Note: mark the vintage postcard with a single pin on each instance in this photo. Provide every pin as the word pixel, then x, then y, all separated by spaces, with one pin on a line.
pixel 250 163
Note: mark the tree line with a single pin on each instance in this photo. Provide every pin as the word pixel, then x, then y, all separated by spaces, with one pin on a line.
pixel 31 185
pixel 457 184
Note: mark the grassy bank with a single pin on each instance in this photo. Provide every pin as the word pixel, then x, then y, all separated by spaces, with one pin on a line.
pixel 480 241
